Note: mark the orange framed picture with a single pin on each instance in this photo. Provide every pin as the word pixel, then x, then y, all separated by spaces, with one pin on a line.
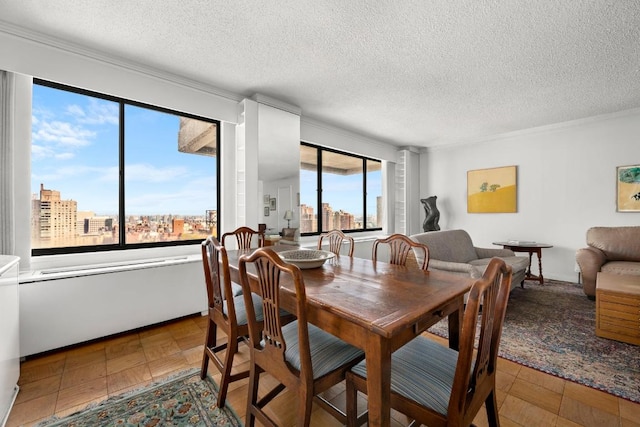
pixel 492 190
pixel 628 188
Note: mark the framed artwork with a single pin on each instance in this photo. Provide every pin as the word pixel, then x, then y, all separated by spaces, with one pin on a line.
pixel 272 203
pixel 266 211
pixel 266 199
pixel 492 190
pixel 628 188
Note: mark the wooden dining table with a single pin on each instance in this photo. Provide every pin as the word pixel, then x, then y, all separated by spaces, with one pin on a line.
pixel 377 307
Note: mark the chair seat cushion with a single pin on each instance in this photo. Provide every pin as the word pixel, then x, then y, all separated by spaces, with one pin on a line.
pixel 241 310
pixel 236 289
pixel 421 370
pixel 327 351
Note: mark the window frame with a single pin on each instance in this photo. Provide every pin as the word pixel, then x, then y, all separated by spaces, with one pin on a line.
pixel 122 245
pixel 319 191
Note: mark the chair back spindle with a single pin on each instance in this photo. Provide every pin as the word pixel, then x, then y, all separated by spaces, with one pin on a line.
pixel 217 277
pixel 269 340
pixel 400 246
pixel 244 237
pixel 335 239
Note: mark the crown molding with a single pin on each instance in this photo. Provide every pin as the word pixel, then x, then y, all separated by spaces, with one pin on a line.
pixel 346 133
pixel 538 130
pixel 76 49
pixel 411 149
pixel 276 103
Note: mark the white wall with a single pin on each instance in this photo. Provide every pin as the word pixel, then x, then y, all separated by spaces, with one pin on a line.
pixel 278 159
pixel 66 311
pixel 566 180
pixel 22 184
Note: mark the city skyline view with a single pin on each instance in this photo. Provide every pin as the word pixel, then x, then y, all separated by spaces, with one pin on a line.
pixel 57 222
pixel 342 192
pixel 75 150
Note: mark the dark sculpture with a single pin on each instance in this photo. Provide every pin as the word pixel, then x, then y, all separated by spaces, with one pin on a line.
pixel 432 214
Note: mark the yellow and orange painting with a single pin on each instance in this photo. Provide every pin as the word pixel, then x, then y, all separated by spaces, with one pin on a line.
pixel 492 190
pixel 628 178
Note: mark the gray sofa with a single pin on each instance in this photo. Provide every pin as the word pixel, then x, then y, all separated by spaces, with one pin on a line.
pixel 452 251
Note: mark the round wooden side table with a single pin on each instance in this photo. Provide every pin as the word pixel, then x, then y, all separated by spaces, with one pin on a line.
pixel 530 248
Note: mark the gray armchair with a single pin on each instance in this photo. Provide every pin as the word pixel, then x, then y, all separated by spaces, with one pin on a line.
pixel 453 251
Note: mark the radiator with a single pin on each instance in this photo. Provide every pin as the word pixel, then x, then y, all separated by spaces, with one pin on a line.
pixel 67 306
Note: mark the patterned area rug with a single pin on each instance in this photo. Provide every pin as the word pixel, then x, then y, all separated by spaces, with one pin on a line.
pixel 551 328
pixel 183 400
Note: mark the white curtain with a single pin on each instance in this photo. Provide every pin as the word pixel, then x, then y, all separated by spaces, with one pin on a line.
pixel 7 192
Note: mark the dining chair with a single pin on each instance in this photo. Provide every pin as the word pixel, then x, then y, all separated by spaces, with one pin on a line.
pixel 400 247
pixel 244 237
pixel 227 314
pixel 299 356
pixel 439 386
pixel 335 238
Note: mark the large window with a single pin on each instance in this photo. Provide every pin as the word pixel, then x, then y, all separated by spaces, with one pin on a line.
pixel 338 191
pixel 107 173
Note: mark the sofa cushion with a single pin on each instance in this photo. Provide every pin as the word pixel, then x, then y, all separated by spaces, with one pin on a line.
pixel 518 264
pixel 617 243
pixel 448 245
pixel 629 268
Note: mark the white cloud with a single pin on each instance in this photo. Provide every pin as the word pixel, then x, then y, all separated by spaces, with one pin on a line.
pixel 83 175
pixel 192 198
pixel 63 134
pixel 64 156
pixel 97 112
pixel 90 175
pixel 40 152
pixel 60 138
pixel 76 111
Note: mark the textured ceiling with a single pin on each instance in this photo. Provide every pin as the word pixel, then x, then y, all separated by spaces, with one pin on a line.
pixel 421 73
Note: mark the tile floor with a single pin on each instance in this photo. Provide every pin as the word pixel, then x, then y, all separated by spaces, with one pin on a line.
pixel 65 381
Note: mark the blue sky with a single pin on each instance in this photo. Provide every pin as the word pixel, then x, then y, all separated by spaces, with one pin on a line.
pixel 75 151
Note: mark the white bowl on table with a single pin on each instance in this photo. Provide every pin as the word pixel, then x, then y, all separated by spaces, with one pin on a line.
pixel 306 258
